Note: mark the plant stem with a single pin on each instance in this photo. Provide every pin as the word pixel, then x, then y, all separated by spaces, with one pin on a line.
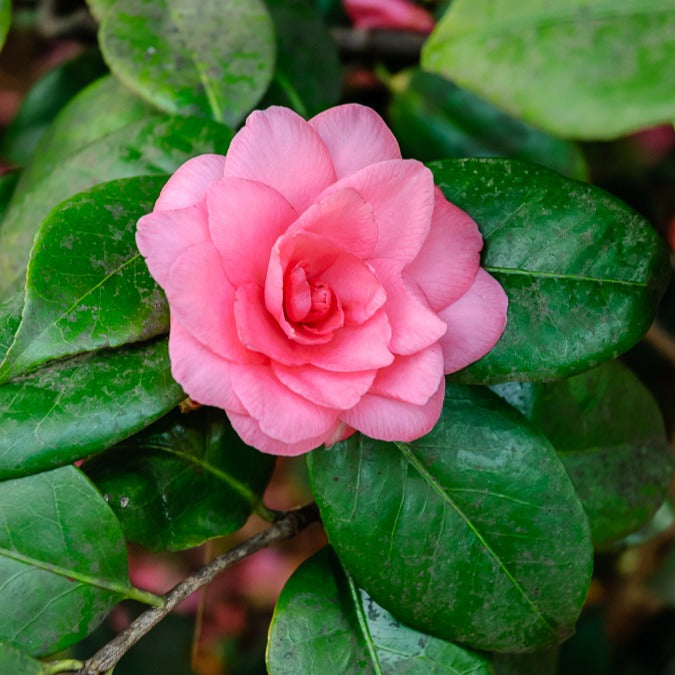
pixel 287 526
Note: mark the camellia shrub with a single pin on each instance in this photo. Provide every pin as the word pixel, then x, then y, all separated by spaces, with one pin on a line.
pixel 217 248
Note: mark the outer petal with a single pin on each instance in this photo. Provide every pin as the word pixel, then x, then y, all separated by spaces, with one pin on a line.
pixel 448 261
pixel 389 420
pixel 277 147
pixel 356 136
pixel 187 186
pixel 401 194
pixel 323 387
pixel 162 236
pixel 202 300
pixel 475 322
pixel 245 219
pixel 280 413
pixel 413 379
pixel 204 376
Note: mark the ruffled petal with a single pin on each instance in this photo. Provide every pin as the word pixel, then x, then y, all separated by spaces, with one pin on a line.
pixel 188 185
pixel 413 379
pixel 356 136
pixel 162 236
pixel 448 261
pixel 390 420
pixel 245 219
pixel 277 147
pixel 475 322
pixel 323 387
pixel 204 376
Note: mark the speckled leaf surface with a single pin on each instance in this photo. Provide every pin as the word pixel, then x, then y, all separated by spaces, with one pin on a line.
pixel 213 58
pixel 87 286
pixel 482 492
pixel 609 434
pixel 76 407
pixel 324 623
pixel 578 68
pixel 584 273
pixel 185 479
pixel 158 145
pixel 63 561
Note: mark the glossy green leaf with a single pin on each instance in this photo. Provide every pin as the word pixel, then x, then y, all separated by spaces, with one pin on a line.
pixel 578 68
pixel 87 286
pixel 583 272
pixel 214 58
pixel 157 145
pixel 472 533
pixel 45 100
pixel 5 19
pixel 16 662
pixel 76 407
pixel 63 562
pixel 608 431
pixel 324 623
pixel 435 119
pixel 10 318
pixel 307 73
pixel 186 479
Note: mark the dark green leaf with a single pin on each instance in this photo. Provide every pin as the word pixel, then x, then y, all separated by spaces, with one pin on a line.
pixel 584 69
pixel 434 119
pixel 45 100
pixel 307 74
pixel 16 662
pixel 324 623
pixel 76 407
pixel 609 434
pixel 472 533
pixel 63 562
pixel 10 318
pixel 87 286
pixel 213 59
pixel 157 145
pixel 5 19
pixel 184 480
pixel 8 183
pixel 583 272
pixel 539 663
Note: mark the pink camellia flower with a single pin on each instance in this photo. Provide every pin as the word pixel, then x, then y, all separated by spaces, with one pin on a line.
pixel 401 14
pixel 318 283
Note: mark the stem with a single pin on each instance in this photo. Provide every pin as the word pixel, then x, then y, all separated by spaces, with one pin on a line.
pixel 55 667
pixel 287 526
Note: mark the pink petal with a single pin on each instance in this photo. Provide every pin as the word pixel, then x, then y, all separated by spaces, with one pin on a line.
pixel 389 420
pixel 277 147
pixel 356 136
pixel 413 379
pixel 245 219
pixel 162 236
pixel 281 413
pixel 447 264
pixel 398 14
pixel 249 431
pixel 323 387
pixel 475 322
pixel 204 376
pixel 414 326
pixel 202 300
pixel 401 194
pixel 188 185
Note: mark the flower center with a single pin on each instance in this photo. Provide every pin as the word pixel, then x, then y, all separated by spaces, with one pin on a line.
pixel 321 301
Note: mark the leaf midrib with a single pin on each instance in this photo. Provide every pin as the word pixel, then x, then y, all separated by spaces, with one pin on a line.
pixel 363 625
pixel 514 271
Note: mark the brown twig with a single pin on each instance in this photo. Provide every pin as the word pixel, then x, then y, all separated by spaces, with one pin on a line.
pixel 398 44
pixel 287 526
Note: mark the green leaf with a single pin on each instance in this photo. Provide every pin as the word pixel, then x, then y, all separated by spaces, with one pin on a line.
pixel 578 68
pixel 434 119
pixel 157 145
pixel 45 100
pixel 324 623
pixel 15 661
pixel 5 19
pixel 583 272
pixel 87 286
pixel 98 8
pixel 472 533
pixel 76 407
pixel 307 74
pixel 184 480
pixel 8 183
pixel 62 561
pixel 608 431
pixel 10 318
pixel 213 59
pixel 538 663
